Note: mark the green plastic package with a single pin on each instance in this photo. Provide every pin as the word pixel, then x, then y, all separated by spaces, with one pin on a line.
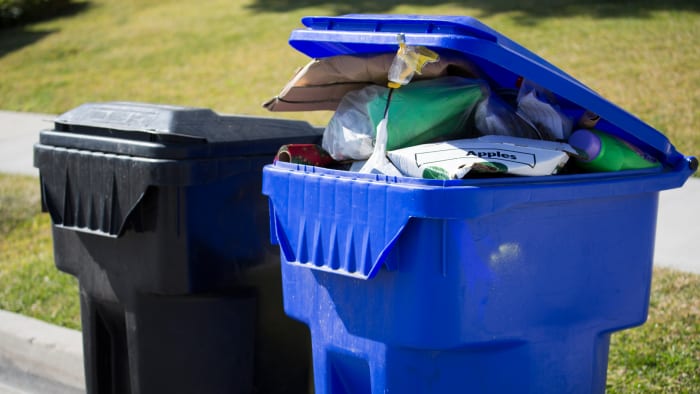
pixel 427 110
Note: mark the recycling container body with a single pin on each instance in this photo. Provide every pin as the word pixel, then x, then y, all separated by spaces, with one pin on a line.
pixel 503 285
pixel 157 211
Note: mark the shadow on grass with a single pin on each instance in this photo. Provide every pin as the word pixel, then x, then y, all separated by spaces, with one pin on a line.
pixel 530 11
pixel 19 35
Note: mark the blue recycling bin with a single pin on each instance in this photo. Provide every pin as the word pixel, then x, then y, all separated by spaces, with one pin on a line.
pixel 502 285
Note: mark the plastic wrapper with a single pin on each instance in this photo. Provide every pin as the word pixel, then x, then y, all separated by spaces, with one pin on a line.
pixel 540 107
pixel 349 135
pixel 308 154
pixel 378 162
pixel 409 61
pixel 488 154
pixel 422 111
pixel 494 116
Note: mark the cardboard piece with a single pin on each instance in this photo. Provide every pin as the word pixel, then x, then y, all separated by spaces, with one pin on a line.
pixel 322 83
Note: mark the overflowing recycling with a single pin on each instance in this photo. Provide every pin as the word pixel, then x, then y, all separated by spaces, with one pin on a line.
pixel 473 220
pixel 448 122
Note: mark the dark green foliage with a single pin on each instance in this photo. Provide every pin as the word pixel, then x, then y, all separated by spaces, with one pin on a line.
pixel 14 12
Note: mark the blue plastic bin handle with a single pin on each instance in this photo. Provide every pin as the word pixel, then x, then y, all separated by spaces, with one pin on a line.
pixel 318 226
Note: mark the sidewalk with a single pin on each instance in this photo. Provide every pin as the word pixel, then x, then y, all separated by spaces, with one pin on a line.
pixel 29 347
pixel 39 357
pixel 18 133
pixel 35 357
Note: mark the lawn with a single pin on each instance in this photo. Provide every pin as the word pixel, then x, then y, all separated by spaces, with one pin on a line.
pixel 232 55
pixel 29 282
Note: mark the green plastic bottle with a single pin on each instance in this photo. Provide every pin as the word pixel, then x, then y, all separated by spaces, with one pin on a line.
pixel 603 152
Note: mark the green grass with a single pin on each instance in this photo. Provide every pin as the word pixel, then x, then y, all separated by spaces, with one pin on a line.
pixel 29 282
pixel 233 55
pixel 661 356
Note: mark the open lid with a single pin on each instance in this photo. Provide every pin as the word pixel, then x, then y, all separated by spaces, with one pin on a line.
pixel 502 61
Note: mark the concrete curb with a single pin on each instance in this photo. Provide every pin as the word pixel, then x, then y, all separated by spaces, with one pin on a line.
pixel 43 349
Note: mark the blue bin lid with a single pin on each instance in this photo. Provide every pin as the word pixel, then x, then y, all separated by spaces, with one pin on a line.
pixel 502 60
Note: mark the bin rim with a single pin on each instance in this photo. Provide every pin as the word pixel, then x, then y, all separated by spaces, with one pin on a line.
pixel 650 174
pixel 352 238
pixel 361 34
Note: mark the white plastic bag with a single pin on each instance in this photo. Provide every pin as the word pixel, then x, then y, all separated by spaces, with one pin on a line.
pixel 349 134
pixel 540 107
pixel 493 116
pixel 378 162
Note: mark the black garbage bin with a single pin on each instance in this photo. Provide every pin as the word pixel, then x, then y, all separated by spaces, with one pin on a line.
pixel 157 211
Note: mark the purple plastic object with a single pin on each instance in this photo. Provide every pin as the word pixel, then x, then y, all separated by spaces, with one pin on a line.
pixel 586 142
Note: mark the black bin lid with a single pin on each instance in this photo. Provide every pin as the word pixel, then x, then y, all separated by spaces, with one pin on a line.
pixel 172 132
